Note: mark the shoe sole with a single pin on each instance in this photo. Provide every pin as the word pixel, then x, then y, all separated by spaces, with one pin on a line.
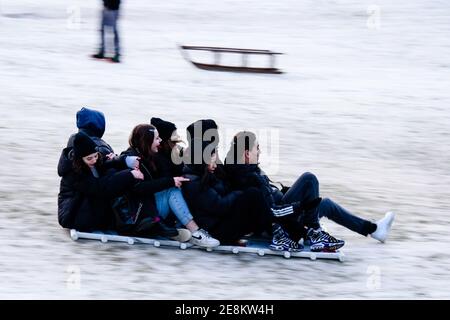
pixel 203 245
pixel 281 248
pixel 184 235
pixel 326 248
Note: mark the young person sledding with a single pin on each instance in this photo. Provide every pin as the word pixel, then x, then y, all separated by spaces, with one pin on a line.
pixel 228 214
pixel 242 166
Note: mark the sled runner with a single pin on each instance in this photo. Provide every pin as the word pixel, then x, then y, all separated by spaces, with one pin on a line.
pixel 244 67
pixel 253 246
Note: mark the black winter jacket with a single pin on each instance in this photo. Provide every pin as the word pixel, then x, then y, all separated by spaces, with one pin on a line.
pixel 176 170
pixel 154 181
pixel 111 4
pixel 244 176
pixel 84 201
pixel 211 204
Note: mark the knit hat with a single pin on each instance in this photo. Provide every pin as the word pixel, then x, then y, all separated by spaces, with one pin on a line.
pixel 198 129
pixel 166 129
pixel 83 145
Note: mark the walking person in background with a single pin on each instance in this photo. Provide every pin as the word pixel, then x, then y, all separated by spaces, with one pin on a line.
pixel 110 15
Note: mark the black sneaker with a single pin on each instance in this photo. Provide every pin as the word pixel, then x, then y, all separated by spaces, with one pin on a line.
pixel 116 58
pixel 282 242
pixel 320 240
pixel 147 227
pixel 99 55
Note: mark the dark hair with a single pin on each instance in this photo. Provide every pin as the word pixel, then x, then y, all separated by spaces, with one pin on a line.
pixel 80 167
pixel 165 147
pixel 141 140
pixel 242 141
pixel 207 177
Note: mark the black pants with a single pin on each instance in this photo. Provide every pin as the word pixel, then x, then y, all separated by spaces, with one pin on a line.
pixel 251 213
pixel 306 188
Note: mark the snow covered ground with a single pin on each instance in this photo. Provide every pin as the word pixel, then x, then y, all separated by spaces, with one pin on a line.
pixel 363 104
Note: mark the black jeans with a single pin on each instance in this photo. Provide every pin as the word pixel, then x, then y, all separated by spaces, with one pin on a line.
pixel 306 188
pixel 250 213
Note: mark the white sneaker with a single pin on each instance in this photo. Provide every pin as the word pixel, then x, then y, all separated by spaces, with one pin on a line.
pixel 203 239
pixel 383 227
pixel 183 235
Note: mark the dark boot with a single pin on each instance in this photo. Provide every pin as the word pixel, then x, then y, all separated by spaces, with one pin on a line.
pixel 116 58
pixel 99 55
pixel 166 231
pixel 147 227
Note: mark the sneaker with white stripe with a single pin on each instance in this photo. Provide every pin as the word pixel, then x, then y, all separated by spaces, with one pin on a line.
pixel 320 240
pixel 282 242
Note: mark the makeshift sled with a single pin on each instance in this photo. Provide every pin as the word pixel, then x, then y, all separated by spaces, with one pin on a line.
pixel 258 247
pixel 218 51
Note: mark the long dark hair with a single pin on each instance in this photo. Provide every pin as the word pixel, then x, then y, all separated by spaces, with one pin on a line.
pixel 207 178
pixel 141 140
pixel 242 141
pixel 201 169
pixel 80 167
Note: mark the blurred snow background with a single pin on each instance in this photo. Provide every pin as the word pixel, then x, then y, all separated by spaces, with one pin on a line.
pixel 363 104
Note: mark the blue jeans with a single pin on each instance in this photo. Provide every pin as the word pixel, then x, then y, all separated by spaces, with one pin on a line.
pixel 306 188
pixel 171 200
pixel 109 19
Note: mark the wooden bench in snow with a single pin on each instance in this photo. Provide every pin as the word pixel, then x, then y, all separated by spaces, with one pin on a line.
pixel 252 246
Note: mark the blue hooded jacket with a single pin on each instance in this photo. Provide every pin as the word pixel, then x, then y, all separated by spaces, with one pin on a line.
pixel 91 122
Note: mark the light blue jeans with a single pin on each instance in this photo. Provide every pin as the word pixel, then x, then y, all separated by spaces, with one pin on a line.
pixel 171 200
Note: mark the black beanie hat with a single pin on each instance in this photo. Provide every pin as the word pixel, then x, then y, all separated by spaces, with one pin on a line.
pixel 83 145
pixel 204 125
pixel 165 128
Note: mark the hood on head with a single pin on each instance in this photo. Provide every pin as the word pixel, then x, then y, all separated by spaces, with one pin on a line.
pixel 198 129
pixel 92 122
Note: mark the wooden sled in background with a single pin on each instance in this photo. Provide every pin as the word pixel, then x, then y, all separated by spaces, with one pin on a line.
pixel 252 246
pixel 218 51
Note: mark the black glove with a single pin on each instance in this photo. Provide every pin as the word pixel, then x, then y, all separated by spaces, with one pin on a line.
pixel 284 188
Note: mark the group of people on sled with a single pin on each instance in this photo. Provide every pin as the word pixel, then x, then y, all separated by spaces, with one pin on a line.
pixel 156 188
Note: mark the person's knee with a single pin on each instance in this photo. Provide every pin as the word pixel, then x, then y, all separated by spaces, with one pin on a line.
pixel 308 176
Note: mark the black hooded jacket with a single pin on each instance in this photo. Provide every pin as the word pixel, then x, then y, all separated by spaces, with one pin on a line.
pixel 210 204
pixel 92 123
pixel 244 176
pixel 83 200
pixel 154 181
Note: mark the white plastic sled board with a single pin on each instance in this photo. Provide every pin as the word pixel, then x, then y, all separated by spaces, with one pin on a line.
pixel 258 247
